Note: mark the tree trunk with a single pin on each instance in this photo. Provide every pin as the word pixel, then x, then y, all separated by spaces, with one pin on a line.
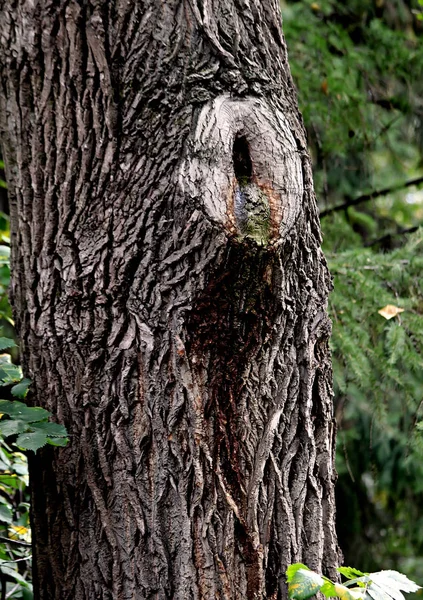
pixel 170 295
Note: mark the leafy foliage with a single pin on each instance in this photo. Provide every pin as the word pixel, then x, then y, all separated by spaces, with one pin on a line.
pixel 15 532
pixel 355 64
pixel 304 583
pixel 355 67
pixel 31 426
pixel 378 379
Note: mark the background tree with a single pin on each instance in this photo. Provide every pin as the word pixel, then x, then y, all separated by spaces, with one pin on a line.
pixel 356 65
pixel 169 292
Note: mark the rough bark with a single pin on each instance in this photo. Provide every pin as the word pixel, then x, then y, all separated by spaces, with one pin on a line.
pixel 187 356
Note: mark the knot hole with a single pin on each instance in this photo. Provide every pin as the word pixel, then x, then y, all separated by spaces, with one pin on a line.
pixel 243 167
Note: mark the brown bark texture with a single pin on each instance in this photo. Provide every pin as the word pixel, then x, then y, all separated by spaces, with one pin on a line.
pixel 170 295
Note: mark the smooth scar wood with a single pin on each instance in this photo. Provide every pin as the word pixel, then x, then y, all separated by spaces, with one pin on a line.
pixel 207 172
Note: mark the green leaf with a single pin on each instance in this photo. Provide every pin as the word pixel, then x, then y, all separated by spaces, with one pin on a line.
pixel 10 481
pixel 391 583
pixel 394 579
pixel 376 593
pixel 31 441
pixel 304 584
pixel 5 514
pixel 328 589
pixel 12 427
pixel 350 572
pixel 20 389
pixel 50 429
pixel 21 411
pixel 4 252
pixel 292 569
pixel 56 441
pixel 6 343
pixel 5 461
pixel 9 373
pixel 14 574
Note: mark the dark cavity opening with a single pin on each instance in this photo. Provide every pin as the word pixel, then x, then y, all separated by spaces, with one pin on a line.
pixel 242 161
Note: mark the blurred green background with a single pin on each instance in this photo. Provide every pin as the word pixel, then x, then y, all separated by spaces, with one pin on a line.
pixel 358 68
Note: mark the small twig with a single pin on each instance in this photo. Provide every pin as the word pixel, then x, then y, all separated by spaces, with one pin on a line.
pixel 17 560
pixel 13 590
pixel 370 196
pixel 388 236
pixel 19 542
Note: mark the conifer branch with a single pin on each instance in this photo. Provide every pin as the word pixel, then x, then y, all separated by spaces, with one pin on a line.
pixel 371 196
pixel 389 236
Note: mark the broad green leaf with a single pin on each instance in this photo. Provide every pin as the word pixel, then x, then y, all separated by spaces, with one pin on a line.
pixel 328 589
pixel 12 427
pixel 51 429
pixel 304 584
pixel 57 441
pixel 350 572
pixel 7 570
pixel 27 594
pixel 10 481
pixel 292 569
pixel 4 252
pixel 34 414
pixel 21 411
pixel 387 585
pixel 376 593
pixel 6 343
pixel 9 373
pixel 5 461
pixel 20 389
pixel 389 580
pixel 20 467
pixel 391 591
pixel 5 514
pixel 31 441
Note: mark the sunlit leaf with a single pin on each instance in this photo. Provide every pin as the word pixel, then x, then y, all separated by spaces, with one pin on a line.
pixel 292 569
pixel 350 572
pixel 392 583
pixel 328 589
pixel 304 584
pixel 348 594
pixel 390 311
pixel 7 570
pixel 376 593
